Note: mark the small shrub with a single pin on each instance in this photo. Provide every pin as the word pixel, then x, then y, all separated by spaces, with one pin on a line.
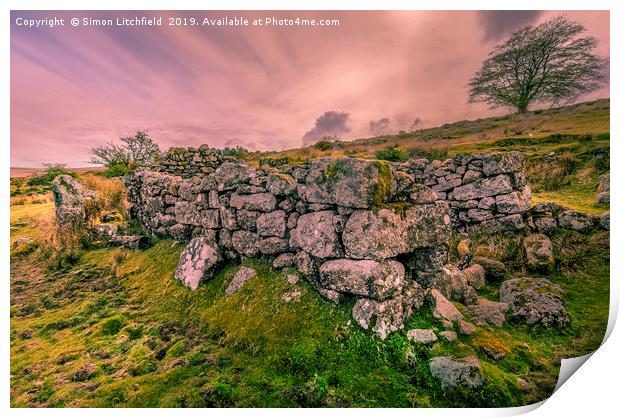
pixel 324 145
pixel 391 153
pixel 116 170
pixel 430 154
pixel 52 170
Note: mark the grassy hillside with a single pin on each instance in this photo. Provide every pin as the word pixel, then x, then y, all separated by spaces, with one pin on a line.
pixel 116 329
pixel 578 135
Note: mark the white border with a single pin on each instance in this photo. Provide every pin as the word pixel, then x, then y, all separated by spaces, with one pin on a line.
pixel 592 391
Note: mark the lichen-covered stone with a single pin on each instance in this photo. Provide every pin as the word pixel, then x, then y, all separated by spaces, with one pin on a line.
pixel 198 260
pixel 494 269
pixel 386 233
pixel 284 260
pixel 538 253
pixel 456 372
pixel 272 224
pixel 263 202
pixel 421 336
pixel 500 163
pixel 318 234
pixel 377 280
pixel 273 245
pixel 535 301
pixel 69 196
pixel 490 186
pixel 515 202
pixel 243 275
pixel 280 184
pixel 475 276
pixel 246 243
pixel 382 317
pixel 571 219
pixel 442 307
pixel 487 312
pixel 347 182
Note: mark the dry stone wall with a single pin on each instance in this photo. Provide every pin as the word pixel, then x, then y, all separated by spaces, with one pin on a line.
pixel 487 192
pixel 366 228
pixel 188 162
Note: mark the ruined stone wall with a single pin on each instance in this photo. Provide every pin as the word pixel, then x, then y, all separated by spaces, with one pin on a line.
pixel 487 192
pixel 188 162
pixel 352 227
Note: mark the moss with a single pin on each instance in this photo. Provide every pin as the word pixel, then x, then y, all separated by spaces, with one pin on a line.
pixel 399 208
pixel 383 188
pixel 332 170
pixel 111 326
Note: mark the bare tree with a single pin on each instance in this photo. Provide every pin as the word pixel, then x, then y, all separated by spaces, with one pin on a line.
pixel 549 63
pixel 133 151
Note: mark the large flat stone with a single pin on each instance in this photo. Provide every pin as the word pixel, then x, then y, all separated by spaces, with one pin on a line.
pixel 377 280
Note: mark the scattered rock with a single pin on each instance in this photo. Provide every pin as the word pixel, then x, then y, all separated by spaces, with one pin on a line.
pixel 199 259
pixel 448 335
pixel 466 328
pixel 604 221
pixel 494 269
pixel 571 219
pixel 292 296
pixel 452 373
pixel 493 350
pixel 84 373
pixel 292 278
pixel 603 197
pixel 381 317
pixel 535 301
pixel 132 242
pixel 331 295
pixel 488 312
pixel 421 336
pixel 538 253
pixel 243 275
pixel 284 260
pixel 69 196
pixel 442 307
pixel 475 276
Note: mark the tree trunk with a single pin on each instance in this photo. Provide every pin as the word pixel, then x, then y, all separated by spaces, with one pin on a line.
pixel 522 108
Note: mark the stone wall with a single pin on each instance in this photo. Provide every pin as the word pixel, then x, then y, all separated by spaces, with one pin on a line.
pixel 487 191
pixel 366 228
pixel 188 162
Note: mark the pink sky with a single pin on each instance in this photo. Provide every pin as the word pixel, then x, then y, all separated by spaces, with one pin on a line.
pixel 259 87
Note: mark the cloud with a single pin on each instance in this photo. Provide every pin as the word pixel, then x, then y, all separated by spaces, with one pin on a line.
pixel 416 125
pixel 379 127
pixel 499 23
pixel 330 123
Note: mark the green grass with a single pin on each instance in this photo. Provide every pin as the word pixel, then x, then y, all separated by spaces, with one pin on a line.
pixel 154 342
